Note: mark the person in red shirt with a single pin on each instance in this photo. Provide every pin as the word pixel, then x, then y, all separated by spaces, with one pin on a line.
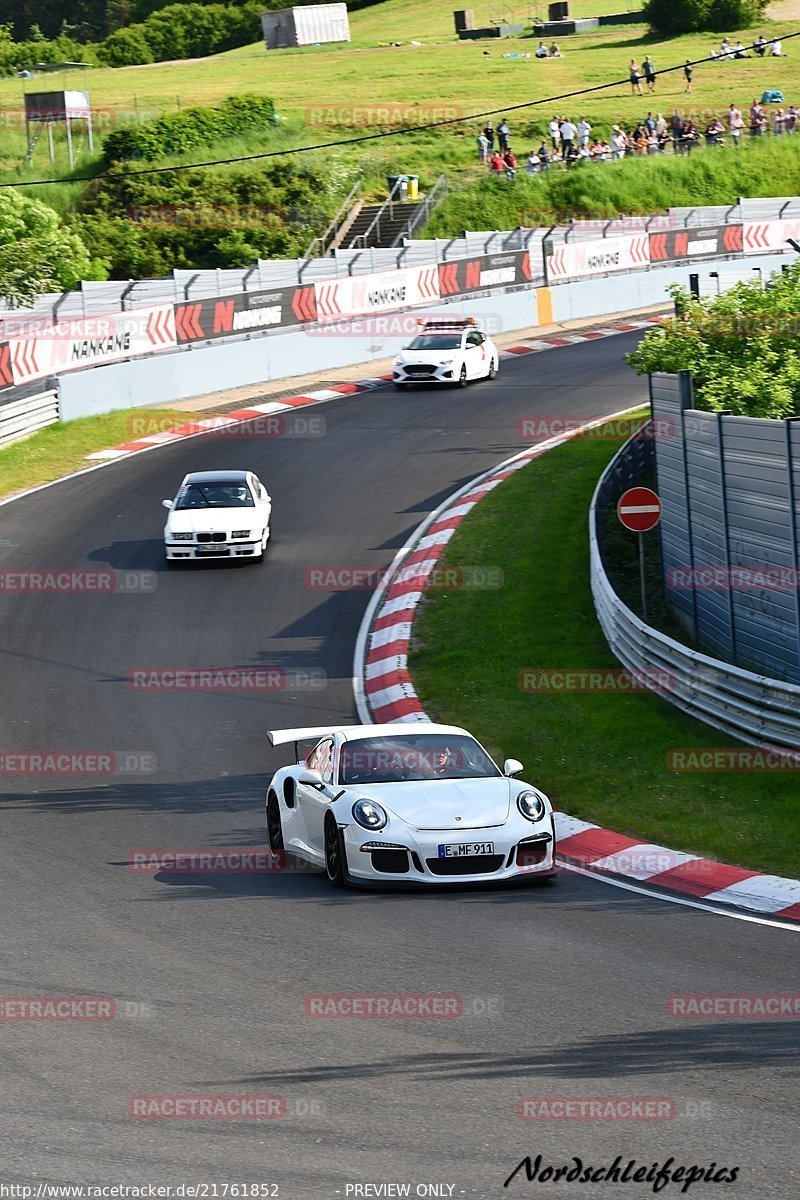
pixel 496 163
pixel 510 160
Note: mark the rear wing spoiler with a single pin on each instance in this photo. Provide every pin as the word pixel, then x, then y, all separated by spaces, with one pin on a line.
pixel 279 737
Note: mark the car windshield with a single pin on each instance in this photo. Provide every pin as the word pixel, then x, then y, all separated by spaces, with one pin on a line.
pixel 436 341
pixel 220 494
pixel 414 758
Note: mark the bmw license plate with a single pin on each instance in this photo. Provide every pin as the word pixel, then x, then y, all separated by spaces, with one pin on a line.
pixel 212 548
pixel 464 849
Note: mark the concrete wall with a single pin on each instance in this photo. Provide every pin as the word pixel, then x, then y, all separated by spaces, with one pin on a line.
pixel 164 378
pixel 639 289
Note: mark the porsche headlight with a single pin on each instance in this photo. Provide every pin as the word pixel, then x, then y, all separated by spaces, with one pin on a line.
pixel 531 805
pixel 369 815
pixel 241 533
pixel 180 537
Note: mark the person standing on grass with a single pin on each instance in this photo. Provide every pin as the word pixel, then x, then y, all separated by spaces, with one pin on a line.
pixel 777 122
pixel 483 147
pixel 567 130
pixel 661 124
pixel 735 123
pixel 555 136
pixel 502 135
pixel 635 78
pixel 791 119
pixel 488 133
pixel 496 163
pixel 648 66
pixel 544 156
pixel 510 159
pixel 687 74
pixel 676 128
pixel 584 129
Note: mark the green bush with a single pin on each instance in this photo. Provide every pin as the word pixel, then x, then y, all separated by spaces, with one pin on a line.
pixel 126 48
pixel 692 16
pixel 184 31
pixel 146 225
pixel 740 347
pixel 763 167
pixel 189 129
pixel 16 55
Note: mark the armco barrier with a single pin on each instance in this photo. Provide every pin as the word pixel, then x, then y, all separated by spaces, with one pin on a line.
pixel 22 413
pixel 748 706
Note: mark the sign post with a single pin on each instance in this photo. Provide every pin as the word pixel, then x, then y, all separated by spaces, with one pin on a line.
pixel 639 509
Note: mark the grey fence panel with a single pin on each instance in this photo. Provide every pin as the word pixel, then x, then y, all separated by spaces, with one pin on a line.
pixel 670 395
pixel 744 704
pixel 731 526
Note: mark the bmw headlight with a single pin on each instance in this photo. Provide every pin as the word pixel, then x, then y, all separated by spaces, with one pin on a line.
pixel 241 533
pixel 531 805
pixel 180 537
pixel 369 815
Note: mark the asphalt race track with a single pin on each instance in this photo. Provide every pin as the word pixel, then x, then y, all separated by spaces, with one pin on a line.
pixel 564 989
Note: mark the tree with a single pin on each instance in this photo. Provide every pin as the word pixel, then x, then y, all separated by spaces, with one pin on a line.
pixel 693 16
pixel 740 348
pixel 37 252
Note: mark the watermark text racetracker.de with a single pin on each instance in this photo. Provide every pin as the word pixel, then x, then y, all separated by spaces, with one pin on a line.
pixel 426 575
pixel 68 1009
pixel 401 1006
pixel 75 582
pixel 267 425
pixel 77 762
pixel 542 427
pixel 227 679
pixel 595 679
pixel 735 1007
pixel 743 759
pixel 139 1191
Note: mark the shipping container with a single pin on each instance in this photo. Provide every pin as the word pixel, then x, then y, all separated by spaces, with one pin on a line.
pixel 307 25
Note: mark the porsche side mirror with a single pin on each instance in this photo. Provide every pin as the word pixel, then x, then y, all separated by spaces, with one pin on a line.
pixel 312 779
pixel 166 503
pixel 512 767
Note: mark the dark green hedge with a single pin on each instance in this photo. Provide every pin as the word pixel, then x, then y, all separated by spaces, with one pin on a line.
pixel 189 129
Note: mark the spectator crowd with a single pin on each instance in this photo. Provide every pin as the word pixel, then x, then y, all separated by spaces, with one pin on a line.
pixel 569 142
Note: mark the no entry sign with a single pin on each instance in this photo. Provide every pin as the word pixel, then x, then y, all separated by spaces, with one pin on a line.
pixel 639 509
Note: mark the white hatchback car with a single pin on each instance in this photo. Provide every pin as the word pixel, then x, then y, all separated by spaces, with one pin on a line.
pixel 218 514
pixel 446 352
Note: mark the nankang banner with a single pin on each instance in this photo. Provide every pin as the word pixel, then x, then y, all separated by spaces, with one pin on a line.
pixel 243 312
pixel 707 241
pixel 486 271
pixel 92 341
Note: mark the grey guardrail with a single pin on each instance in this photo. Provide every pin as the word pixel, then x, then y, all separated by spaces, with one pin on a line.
pixel 21 415
pixel 750 707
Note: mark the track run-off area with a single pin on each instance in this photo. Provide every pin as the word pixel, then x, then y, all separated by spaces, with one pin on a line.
pixel 561 993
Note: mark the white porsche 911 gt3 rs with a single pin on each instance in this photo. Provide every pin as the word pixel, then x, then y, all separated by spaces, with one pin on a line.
pixel 218 514
pixel 407 803
pixel 446 352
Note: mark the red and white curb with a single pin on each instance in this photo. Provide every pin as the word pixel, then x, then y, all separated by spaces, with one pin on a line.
pixel 215 424
pixel 322 395
pixel 384 691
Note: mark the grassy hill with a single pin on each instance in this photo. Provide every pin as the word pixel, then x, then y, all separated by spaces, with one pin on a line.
pixel 328 93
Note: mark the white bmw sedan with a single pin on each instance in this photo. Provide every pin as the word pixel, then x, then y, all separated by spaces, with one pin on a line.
pixel 218 514
pixel 453 352
pixel 407 803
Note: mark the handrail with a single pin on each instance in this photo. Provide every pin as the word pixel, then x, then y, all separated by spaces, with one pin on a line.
pixel 319 245
pixel 362 240
pixel 424 210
